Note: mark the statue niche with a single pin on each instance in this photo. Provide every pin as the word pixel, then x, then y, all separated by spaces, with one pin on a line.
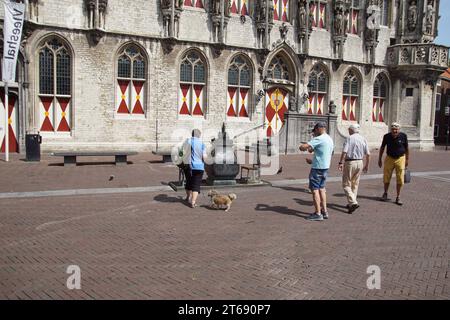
pixel 429 18
pixel 412 16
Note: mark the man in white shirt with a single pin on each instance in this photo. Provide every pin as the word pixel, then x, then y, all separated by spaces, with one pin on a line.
pixel 351 163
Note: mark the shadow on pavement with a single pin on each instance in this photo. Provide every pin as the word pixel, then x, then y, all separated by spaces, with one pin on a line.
pixel 79 164
pixel 282 210
pixel 165 198
pixel 373 198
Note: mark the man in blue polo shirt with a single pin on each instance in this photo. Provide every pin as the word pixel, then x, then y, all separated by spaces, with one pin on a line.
pixel 322 145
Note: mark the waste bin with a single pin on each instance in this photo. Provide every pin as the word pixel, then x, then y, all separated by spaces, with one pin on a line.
pixel 33 147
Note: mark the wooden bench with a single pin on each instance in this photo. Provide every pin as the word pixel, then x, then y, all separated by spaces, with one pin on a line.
pixel 252 168
pixel 70 158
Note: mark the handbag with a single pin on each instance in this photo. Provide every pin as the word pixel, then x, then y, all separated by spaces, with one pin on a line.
pixel 407 177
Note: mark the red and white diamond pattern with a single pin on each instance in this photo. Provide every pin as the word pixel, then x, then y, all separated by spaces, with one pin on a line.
pixel 46 114
pixel 234 6
pixel 323 8
pixel 277 101
pixel 138 97
pixel 191 94
pixel 231 101
pixel 184 102
pixel 311 103
pixel 62 114
pixel 123 99
pixel 348 108
pixel 198 100
pixel 354 28
pixel 320 99
pixel 13 122
pixel 312 9
pixel 243 111
pixel 276 3
pixel 194 3
pixel 377 110
pixel 284 10
pixel 135 90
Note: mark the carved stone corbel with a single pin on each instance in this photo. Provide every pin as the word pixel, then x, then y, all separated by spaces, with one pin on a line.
pixel 337 63
pixel 217 49
pixel 261 56
pixel 95 35
pixel 168 44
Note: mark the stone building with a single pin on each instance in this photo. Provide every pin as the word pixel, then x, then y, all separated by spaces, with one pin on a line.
pixel 139 75
pixel 442 121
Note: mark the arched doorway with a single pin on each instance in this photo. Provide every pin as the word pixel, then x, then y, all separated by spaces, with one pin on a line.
pixel 280 84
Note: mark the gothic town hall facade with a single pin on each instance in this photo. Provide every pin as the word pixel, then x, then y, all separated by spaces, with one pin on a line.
pixel 138 75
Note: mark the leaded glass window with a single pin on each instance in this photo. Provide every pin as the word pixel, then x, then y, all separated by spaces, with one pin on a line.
pixel 55 86
pixel 192 93
pixel 278 69
pixel 318 87
pixel 131 81
pixel 350 106
pixel 380 95
pixel 239 87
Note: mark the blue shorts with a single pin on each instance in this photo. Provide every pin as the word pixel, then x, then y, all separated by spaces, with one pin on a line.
pixel 317 178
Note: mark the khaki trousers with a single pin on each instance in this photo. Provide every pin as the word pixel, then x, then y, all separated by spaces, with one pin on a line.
pixel 350 179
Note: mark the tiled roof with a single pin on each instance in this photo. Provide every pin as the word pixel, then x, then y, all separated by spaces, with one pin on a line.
pixel 446 74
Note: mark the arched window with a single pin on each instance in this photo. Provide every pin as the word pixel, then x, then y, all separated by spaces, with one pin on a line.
pixel 281 10
pixel 380 94
pixel 55 86
pixel 194 3
pixel 241 7
pixel 278 69
pixel 192 85
pixel 350 105
pixel 318 87
pixel 353 17
pixel 318 11
pixel 131 81
pixel 239 87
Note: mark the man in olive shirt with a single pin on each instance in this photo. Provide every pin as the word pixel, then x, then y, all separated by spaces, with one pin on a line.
pixel 397 158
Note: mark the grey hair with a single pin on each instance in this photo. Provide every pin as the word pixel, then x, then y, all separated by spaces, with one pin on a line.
pixel 196 133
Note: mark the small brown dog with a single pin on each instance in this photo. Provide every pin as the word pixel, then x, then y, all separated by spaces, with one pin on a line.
pixel 218 200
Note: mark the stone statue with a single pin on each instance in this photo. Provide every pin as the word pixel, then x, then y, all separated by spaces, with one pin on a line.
pixel 166 4
pixel 283 31
pixel 216 7
pixel 293 104
pixel 227 7
pixel 339 27
pixel 261 11
pixel 372 22
pixel 301 14
pixel 311 19
pixel 345 23
pixel 429 18
pixel 271 10
pixel 412 16
pixel 304 97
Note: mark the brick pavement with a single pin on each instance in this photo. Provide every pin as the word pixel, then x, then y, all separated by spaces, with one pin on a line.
pixel 147 169
pixel 152 246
